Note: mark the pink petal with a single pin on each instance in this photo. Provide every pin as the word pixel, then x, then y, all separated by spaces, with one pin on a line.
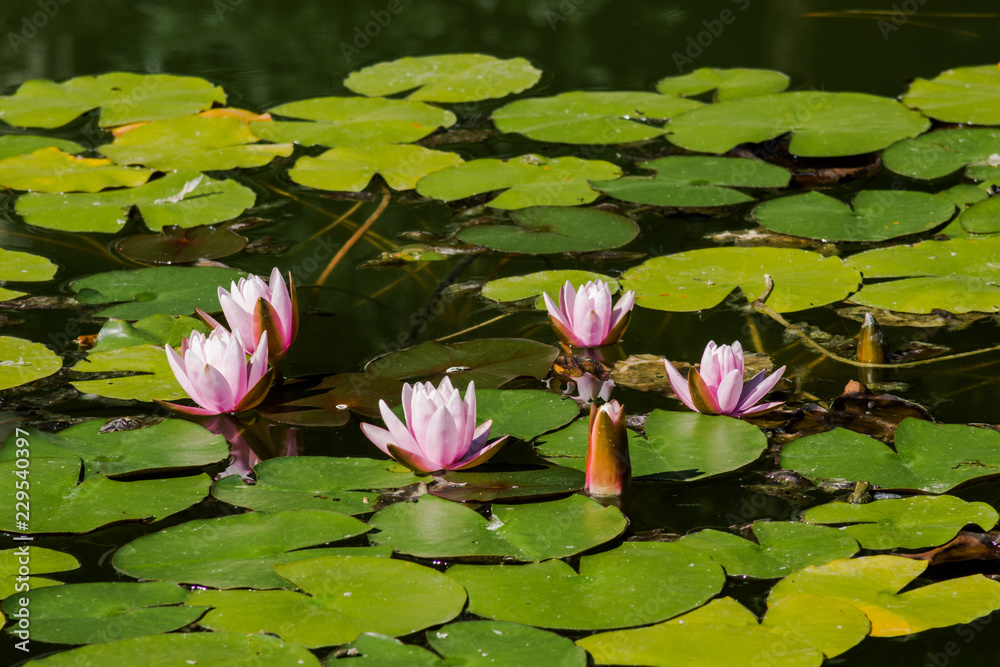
pixel 483 455
pixel 401 436
pixel 186 409
pixel 469 432
pixel 441 443
pixel 407 401
pixel 555 311
pixel 622 308
pixel 758 409
pixel 379 436
pixel 214 389
pixel 728 392
pixel 177 366
pixel 238 318
pixel 757 387
pixel 680 385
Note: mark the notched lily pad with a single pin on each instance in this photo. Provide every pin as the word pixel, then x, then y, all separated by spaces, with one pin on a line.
pixel 591 117
pixel 23 361
pixel 728 84
pixel 350 168
pixel 176 245
pixel 696 181
pixel 41 560
pixel 944 152
pixel 960 95
pixel 22 144
pixel 541 230
pixel 528 180
pixel 517 288
pixel 51 170
pixel 460 77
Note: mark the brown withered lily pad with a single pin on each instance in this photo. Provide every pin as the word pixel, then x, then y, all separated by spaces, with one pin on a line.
pixel 964 547
pixel 936 319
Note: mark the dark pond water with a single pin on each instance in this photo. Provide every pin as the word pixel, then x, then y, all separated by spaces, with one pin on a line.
pixel 267 53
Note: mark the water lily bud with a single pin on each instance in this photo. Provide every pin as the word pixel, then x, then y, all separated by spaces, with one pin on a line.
pixel 608 466
pixel 872 349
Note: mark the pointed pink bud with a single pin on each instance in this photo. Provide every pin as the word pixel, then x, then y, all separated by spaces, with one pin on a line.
pixel 608 466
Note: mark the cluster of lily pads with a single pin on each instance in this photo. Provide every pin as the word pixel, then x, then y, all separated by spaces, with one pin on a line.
pixel 505 560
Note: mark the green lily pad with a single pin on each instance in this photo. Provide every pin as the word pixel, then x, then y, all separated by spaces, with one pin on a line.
pixel 877 215
pixel 16 266
pixel 679 446
pixel 524 413
pixel 799 629
pixel 591 117
pixel 124 98
pixel 822 124
pixel 471 643
pixel 541 230
pixel 175 245
pixel 347 392
pixel 151 378
pixel 171 445
pixel 929 457
pixel 22 144
pixel 153 330
pixel 342 484
pixel 982 217
pixel 944 152
pixel 433 528
pixel 956 294
pixel 908 523
pixel 612 590
pixel 696 180
pixel 960 257
pixel 350 168
pixel 960 95
pixel 193 143
pixel 51 170
pixel 459 77
pixel 516 288
pixel 701 279
pixel 98 612
pixel 237 551
pixel 490 362
pixel 528 180
pixel 964 195
pixel 343 597
pixel 872 584
pixel 349 121
pixel 185 199
pixel 782 547
pixel 39 560
pixel 23 361
pixel 63 504
pixel 728 84
pixel 170 290
pixel 185 648
pixel 463 485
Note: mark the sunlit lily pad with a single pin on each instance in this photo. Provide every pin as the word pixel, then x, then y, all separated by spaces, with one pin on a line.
pixel 433 528
pixel 541 230
pixel 341 484
pixel 955 294
pixel 696 180
pixel 960 95
pixel 597 117
pixel 342 597
pixel 51 170
pixel 193 143
pixel 782 547
pixel 799 629
pixel 348 121
pixel 185 648
pixel 23 361
pixel 877 215
pixel 170 290
pixel 524 413
pixel 680 446
pixel 908 523
pixel 701 279
pixel 516 288
pixel 634 584
pixel 22 144
pixel 185 199
pixel 176 245
pixel 528 180
pixel 124 97
pixel 982 217
pixel 350 168
pixel 63 504
pixel 151 376
pixel 822 124
pixel 39 560
pixel 97 612
pixel 16 266
pixel 728 84
pixel 152 330
pixel 459 77
pixel 944 152
pixel 929 457
pixel 171 445
pixel 490 362
pixel 872 585
pixel 467 643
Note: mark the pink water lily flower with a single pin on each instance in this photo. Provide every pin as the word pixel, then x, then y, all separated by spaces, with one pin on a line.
pixel 440 432
pixel 253 307
pixel 718 387
pixel 215 372
pixel 585 318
